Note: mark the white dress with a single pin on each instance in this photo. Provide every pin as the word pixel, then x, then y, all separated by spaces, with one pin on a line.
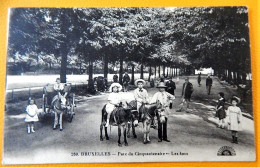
pixel 234 115
pixel 114 98
pixel 31 110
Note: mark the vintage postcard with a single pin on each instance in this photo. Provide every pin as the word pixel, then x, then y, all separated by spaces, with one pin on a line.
pixel 106 85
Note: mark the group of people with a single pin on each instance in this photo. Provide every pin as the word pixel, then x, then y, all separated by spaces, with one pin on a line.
pixel 141 96
pixel 165 96
pixel 209 83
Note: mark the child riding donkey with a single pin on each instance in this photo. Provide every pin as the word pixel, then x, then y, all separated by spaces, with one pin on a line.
pixel 141 95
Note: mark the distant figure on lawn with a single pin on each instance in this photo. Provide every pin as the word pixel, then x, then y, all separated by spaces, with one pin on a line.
pixel 31 115
pixel 187 90
pixel 170 86
pixel 234 119
pixel 199 78
pixel 126 80
pixel 208 84
pixel 220 110
pixel 115 78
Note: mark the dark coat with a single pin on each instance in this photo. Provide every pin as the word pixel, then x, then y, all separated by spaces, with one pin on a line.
pixel 221 114
pixel 188 91
pixel 209 82
pixel 126 79
pixel 170 87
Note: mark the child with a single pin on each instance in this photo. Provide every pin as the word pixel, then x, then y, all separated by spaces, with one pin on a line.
pixel 31 116
pixel 164 98
pixel 235 117
pixel 114 100
pixel 220 110
pixel 59 87
pixel 141 95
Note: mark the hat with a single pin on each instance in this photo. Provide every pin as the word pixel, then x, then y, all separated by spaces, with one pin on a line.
pixel 237 99
pixel 139 80
pixel 161 85
pixel 115 85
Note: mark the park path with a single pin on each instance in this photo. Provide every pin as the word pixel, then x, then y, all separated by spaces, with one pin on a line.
pixel 194 133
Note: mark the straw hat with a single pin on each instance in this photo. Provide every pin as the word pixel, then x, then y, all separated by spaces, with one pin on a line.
pixel 139 80
pixel 115 85
pixel 161 85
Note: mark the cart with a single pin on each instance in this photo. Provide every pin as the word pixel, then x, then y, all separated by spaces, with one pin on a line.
pixel 49 93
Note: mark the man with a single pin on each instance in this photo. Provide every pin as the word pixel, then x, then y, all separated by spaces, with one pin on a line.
pixel 187 90
pixel 199 78
pixel 164 98
pixel 208 84
pixel 126 80
pixel 170 86
pixel 140 94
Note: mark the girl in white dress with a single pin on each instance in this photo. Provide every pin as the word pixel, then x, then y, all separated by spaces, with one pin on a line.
pixel 234 119
pixel 114 99
pixel 31 116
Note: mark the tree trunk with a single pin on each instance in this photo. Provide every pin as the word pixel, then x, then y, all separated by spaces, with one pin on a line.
pixel 142 71
pixel 229 76
pixel 63 68
pixel 159 73
pixel 90 72
pixel 150 72
pixel 155 71
pixel 167 68
pixel 121 69
pixel 105 66
pixel 133 74
pixel 163 70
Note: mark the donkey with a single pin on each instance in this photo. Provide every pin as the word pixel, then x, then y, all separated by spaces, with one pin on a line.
pixel 59 107
pixel 148 113
pixel 120 118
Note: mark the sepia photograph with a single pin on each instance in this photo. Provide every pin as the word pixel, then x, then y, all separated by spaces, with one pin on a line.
pixel 120 85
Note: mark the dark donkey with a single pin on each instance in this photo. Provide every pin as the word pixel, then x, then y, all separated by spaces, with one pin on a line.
pixel 119 117
pixel 134 118
pixel 147 113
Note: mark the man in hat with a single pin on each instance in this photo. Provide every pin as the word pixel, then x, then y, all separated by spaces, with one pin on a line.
pixel 187 90
pixel 164 98
pixel 140 94
pixel 208 84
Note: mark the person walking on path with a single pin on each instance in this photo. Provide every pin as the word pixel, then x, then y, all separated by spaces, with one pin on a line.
pixel 140 94
pixel 234 119
pixel 220 110
pixel 208 84
pixel 187 90
pixel 164 98
pixel 126 80
pixel 199 78
pixel 170 86
pixel 31 115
